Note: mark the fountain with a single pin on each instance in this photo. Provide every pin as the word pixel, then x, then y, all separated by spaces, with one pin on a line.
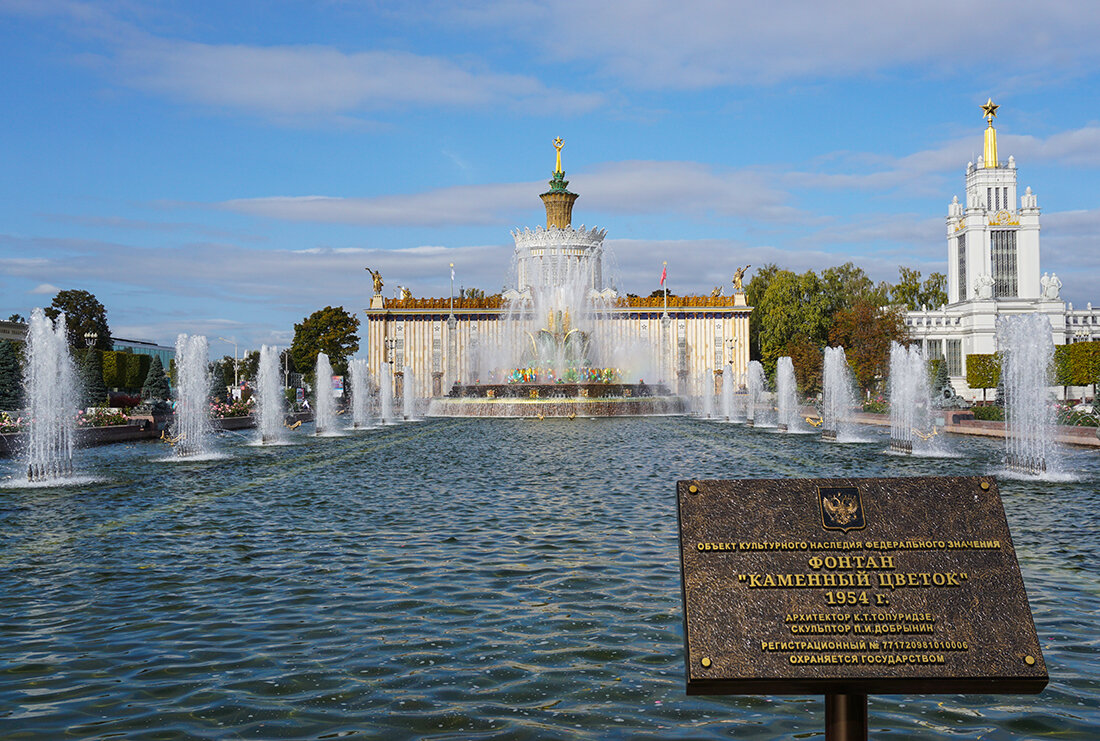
pixel 910 401
pixel 385 394
pixel 706 395
pixel 1027 350
pixel 727 393
pixel 789 415
pixel 360 393
pixel 837 396
pixel 50 381
pixel 324 405
pixel 271 406
pixel 191 432
pixel 758 407
pixel 408 395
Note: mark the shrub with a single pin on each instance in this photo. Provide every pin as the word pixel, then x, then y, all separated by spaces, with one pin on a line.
pixel 9 423
pixel 878 405
pixel 989 413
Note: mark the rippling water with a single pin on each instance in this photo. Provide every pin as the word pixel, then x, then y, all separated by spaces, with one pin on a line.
pixel 455 578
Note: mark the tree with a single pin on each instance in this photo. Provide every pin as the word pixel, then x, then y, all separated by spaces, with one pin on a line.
pixel 83 314
pixel 17 318
pixel 808 361
pixel 913 294
pixel 11 377
pixel 660 292
pixel 846 284
pixel 907 291
pixel 934 290
pixel 330 330
pixel 793 307
pixel 156 382
pixel 754 294
pixel 250 367
pixel 865 331
pixel 91 377
pixel 983 371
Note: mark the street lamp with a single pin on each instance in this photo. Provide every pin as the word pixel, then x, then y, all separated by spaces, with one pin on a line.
pixel 90 339
pixel 234 344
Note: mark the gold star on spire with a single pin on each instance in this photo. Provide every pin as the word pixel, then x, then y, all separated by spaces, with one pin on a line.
pixel 990 110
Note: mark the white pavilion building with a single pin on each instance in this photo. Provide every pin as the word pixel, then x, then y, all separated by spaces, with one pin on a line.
pixel 993 270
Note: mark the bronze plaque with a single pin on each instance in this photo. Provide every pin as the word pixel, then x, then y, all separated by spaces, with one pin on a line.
pixel 858 586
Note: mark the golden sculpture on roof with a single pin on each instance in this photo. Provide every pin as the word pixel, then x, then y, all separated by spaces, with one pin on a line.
pixel 377 276
pixel 558 144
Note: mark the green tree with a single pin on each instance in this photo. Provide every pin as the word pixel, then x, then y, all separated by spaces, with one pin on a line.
pixel 83 314
pixel 793 307
pixel 754 294
pixel 907 291
pixel 983 371
pixel 865 331
pixel 156 382
pixel 250 366
pixel 934 290
pixel 11 377
pixel 330 330
pixel 846 284
pixel 91 377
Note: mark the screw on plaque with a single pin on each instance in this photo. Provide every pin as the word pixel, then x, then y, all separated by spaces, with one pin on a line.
pixel 706 662
pixel 693 489
pixel 985 486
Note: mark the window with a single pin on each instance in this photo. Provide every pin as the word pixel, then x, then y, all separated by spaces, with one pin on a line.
pixel 997 199
pixel 1003 246
pixel 988 198
pixel 932 349
pixel 954 357
pixel 960 246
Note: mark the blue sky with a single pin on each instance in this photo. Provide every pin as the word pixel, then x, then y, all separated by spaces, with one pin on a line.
pixel 228 168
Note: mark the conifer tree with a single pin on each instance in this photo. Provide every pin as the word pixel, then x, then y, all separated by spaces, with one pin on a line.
pixel 91 376
pixel 156 382
pixel 11 377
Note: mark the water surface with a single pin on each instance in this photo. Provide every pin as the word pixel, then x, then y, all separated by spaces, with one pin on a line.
pixel 455 579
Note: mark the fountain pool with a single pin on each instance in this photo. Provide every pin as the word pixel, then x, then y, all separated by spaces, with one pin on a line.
pixel 458 578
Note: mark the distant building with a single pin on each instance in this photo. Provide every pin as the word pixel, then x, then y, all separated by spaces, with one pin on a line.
pixel 684 344
pixel 993 270
pixel 144 347
pixel 15 331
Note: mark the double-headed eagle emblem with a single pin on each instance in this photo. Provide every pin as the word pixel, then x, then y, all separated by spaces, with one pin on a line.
pixel 841 508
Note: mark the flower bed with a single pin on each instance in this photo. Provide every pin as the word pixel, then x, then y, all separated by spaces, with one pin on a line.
pixel 237 408
pixel 9 424
pixel 100 417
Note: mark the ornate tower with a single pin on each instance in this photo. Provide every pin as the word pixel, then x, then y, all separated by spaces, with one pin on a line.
pixel 559 256
pixel 992 245
pixel 558 200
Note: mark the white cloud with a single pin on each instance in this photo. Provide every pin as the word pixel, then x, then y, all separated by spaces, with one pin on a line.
pixel 289 81
pixel 652 44
pixel 618 187
pixel 44 289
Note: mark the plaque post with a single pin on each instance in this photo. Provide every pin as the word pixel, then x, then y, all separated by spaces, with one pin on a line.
pixel 845 717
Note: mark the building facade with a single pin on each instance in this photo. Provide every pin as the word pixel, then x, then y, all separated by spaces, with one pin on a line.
pixel 429 344
pixel 993 269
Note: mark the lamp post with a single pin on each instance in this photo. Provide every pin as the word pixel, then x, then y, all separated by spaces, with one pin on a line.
pixel 236 383
pixel 90 339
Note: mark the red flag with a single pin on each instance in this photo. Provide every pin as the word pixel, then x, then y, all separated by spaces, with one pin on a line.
pixel 664 274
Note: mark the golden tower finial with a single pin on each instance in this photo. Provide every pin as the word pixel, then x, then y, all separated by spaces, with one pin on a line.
pixel 990 154
pixel 558 144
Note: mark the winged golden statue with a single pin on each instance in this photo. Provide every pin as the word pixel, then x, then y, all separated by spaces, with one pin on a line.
pixel 842 510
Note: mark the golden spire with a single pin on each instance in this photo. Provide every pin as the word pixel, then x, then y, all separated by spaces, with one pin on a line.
pixel 558 200
pixel 990 155
pixel 558 144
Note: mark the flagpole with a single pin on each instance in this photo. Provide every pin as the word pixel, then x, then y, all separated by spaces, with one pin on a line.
pixel 664 286
pixel 452 289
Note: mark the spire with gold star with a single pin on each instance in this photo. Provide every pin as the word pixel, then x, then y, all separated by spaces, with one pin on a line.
pixel 558 200
pixel 990 155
